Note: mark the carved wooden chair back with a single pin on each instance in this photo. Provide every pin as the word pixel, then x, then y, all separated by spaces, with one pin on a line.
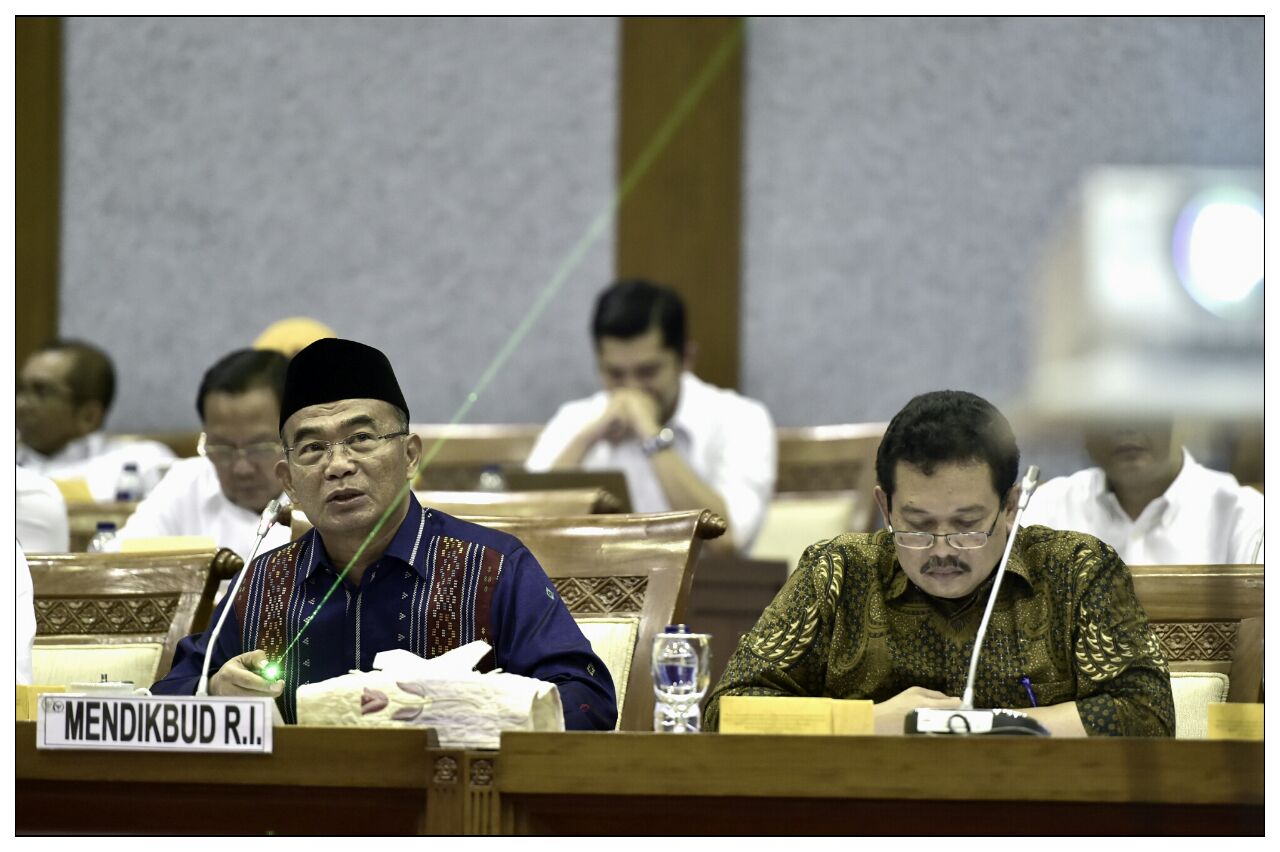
pixel 621 566
pixel 1208 618
pixel 105 599
pixel 831 460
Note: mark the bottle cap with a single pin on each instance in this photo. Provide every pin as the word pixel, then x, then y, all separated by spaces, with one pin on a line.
pixel 106 525
pixel 677 628
pixel 133 466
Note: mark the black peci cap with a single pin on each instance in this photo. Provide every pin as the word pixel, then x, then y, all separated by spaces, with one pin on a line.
pixel 332 369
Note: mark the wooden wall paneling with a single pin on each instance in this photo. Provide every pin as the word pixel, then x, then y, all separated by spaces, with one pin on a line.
pixel 680 223
pixel 37 161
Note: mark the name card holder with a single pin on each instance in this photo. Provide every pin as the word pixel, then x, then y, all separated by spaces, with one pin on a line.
pixel 761 714
pixel 154 723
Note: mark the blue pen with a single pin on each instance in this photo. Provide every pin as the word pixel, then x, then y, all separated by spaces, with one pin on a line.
pixel 1031 695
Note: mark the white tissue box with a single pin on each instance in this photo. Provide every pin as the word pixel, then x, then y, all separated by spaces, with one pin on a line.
pixel 468 709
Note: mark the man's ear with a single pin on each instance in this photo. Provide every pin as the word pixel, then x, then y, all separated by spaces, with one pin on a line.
pixel 286 480
pixel 690 355
pixel 89 416
pixel 1011 506
pixel 413 452
pixel 882 500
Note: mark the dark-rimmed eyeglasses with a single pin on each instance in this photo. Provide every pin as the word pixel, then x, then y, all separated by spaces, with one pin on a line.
pixel 360 444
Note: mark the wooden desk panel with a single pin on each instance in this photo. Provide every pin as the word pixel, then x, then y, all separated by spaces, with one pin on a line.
pixel 315 781
pixel 633 783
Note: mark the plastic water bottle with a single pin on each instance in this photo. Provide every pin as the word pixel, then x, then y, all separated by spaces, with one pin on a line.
pixel 129 485
pixel 680 676
pixel 104 540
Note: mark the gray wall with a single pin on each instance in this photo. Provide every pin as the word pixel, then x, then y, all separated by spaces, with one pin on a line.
pixel 411 183
pixel 415 183
pixel 903 177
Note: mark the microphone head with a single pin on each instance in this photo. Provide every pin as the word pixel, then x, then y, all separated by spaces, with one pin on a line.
pixel 1029 483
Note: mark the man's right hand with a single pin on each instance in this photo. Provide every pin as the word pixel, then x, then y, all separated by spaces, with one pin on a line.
pixel 631 413
pixel 239 676
pixel 890 716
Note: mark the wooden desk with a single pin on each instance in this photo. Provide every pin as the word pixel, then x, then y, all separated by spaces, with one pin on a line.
pixel 634 783
pixel 315 781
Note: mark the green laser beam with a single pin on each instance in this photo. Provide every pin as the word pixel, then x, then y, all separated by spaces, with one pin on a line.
pixel 648 156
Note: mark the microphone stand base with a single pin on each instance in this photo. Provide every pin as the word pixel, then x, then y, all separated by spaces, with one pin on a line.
pixel 972 723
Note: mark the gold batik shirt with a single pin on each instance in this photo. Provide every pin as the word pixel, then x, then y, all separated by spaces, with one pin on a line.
pixel 1066 627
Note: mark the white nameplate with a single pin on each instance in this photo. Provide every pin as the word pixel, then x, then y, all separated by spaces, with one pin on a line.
pixel 154 723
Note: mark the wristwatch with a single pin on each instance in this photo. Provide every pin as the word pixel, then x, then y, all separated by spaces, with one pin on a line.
pixel 659 442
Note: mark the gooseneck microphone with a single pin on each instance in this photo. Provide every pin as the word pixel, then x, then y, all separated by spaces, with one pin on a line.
pixel 967 720
pixel 1029 483
pixel 269 518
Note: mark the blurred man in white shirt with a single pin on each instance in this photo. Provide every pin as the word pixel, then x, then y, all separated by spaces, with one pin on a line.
pixel 222 493
pixel 1151 501
pixel 64 392
pixel 40 514
pixel 683 444
pixel 24 617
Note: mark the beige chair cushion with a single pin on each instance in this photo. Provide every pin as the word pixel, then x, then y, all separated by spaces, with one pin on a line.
pixel 614 641
pixel 1193 692
pixel 84 663
pixel 793 523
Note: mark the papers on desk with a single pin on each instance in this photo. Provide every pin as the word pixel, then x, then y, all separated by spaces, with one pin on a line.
pixel 74 490
pixel 468 709
pixel 167 543
pixel 765 714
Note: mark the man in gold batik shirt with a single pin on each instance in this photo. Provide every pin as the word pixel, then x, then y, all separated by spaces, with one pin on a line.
pixel 892 615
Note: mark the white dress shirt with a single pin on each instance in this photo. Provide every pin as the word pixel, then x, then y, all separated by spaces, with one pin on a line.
pixel 40 514
pixel 24 617
pixel 189 501
pixel 98 460
pixel 1204 518
pixel 727 439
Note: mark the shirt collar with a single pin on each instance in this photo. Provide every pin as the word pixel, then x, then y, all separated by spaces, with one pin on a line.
pixel 689 406
pixel 1162 508
pixel 80 449
pixel 1183 483
pixel 405 546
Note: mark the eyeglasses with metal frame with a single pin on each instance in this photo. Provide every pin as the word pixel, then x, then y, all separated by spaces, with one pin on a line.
pixel 913 540
pixel 311 453
pixel 261 451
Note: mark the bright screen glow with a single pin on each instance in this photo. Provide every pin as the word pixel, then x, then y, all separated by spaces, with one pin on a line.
pixel 1217 249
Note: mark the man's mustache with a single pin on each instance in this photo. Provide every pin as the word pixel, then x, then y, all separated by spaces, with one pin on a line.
pixel 945 563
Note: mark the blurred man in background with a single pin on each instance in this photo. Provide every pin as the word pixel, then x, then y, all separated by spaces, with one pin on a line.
pixel 40 514
pixel 1151 501
pixel 64 392
pixel 222 493
pixel 683 444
